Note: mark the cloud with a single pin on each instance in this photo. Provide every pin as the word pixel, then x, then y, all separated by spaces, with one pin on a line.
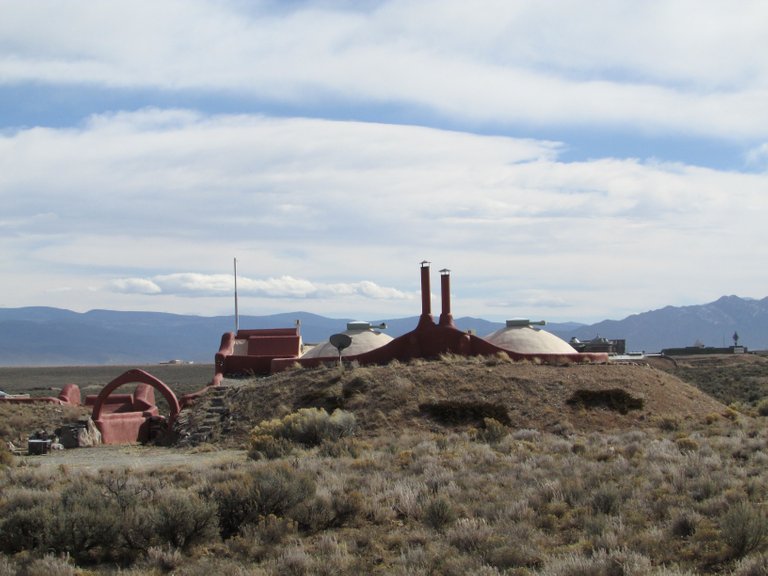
pixel 647 66
pixel 135 286
pixel 194 284
pixel 132 195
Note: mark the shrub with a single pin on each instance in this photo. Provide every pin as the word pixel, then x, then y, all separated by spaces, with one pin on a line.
pixel 6 458
pixel 752 566
pixel 164 559
pixel 347 505
pixel 272 530
pixel 493 431
pixel 274 489
pixel 26 529
pixel 762 407
pixel 439 514
pixel 669 424
pixel 683 524
pixel 606 499
pixel 332 556
pixel 7 567
pixel 687 444
pixel 294 561
pixel 308 427
pixel 343 447
pixel 236 505
pixel 602 563
pixel 86 525
pixel 137 530
pixel 470 535
pixel 315 514
pixel 184 519
pixel 48 565
pixel 266 446
pixel 513 556
pixel 744 529
pixel 280 488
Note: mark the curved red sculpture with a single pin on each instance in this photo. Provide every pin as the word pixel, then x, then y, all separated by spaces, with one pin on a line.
pixel 129 419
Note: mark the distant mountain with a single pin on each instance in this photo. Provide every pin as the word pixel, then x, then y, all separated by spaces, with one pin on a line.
pixel 52 336
pixel 711 324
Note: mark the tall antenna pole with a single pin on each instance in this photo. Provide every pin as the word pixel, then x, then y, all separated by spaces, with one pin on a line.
pixel 237 315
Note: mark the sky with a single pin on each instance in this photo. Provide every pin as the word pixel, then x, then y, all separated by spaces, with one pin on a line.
pixel 568 160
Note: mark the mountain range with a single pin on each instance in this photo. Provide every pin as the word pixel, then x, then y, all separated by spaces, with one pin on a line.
pixel 42 336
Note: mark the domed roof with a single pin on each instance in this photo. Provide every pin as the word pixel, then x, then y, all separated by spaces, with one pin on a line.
pixel 519 336
pixel 364 339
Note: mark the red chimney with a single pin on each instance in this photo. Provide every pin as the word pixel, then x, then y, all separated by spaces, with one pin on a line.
pixel 426 296
pixel 446 319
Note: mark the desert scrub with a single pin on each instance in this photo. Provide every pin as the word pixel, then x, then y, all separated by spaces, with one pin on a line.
pixel 439 513
pixel 492 431
pixel 276 488
pixel 744 529
pixel 184 519
pixel 307 427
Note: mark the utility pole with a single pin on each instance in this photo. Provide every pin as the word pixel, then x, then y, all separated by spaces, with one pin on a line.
pixel 237 315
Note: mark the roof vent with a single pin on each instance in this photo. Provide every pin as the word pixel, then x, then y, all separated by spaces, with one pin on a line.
pixel 360 325
pixel 520 322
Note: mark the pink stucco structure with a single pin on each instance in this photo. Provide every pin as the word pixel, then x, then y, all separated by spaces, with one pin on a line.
pixel 127 418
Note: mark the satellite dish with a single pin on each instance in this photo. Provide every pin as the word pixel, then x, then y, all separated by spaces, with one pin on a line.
pixel 340 342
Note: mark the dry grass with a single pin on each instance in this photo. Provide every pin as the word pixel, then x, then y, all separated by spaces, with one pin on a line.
pixel 457 393
pixel 18 421
pixel 532 502
pixel 675 486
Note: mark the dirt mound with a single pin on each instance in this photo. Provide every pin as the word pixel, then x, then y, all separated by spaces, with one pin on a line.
pixel 456 393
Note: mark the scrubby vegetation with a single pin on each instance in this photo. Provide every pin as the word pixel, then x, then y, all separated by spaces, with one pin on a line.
pixel 414 470
pixel 492 500
pixel 740 380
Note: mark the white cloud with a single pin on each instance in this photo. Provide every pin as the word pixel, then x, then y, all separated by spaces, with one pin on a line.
pixel 195 284
pixel 141 196
pixel 648 66
pixel 135 286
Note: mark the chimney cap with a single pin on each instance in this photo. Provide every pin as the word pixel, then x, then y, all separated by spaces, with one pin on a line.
pixel 425 263
pixel 445 271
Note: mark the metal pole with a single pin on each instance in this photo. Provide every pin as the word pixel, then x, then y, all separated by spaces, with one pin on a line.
pixel 237 314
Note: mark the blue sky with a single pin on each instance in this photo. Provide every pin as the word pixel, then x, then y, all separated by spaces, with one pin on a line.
pixel 567 160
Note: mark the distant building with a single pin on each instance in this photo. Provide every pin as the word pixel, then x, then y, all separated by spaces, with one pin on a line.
pixel 600 344
pixel 701 349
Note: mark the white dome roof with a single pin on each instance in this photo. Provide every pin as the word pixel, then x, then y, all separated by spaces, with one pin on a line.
pixel 363 340
pixel 528 340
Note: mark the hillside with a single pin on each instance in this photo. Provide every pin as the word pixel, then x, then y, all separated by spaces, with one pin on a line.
pixel 456 393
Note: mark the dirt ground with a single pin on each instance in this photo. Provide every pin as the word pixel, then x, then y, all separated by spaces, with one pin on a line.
pixel 134 457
